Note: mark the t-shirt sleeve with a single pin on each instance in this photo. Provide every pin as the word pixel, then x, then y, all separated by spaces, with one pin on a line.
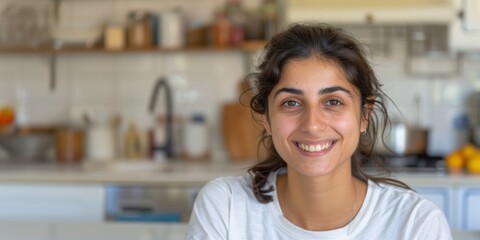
pixel 210 214
pixel 432 225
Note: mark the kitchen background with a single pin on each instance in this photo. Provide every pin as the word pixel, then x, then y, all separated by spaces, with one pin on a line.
pixel 95 65
pixel 427 79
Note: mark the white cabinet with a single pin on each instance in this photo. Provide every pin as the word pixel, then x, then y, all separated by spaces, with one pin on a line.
pixel 461 205
pixel 464 30
pixel 25 230
pixel 440 196
pixel 52 202
pixel 377 11
pixel 469 209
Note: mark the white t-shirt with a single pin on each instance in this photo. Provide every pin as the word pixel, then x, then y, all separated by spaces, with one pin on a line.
pixel 227 209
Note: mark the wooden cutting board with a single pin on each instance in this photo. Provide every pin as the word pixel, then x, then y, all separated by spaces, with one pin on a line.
pixel 240 132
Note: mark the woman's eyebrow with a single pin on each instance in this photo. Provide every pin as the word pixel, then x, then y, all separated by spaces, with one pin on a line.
pixel 320 92
pixel 288 90
pixel 334 89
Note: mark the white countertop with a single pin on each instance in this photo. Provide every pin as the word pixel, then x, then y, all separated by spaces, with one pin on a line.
pixel 120 172
pixel 178 173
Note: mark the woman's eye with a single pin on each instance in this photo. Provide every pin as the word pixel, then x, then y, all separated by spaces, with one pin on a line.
pixel 334 102
pixel 291 104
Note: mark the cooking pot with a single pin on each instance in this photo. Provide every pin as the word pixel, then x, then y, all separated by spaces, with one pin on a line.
pixel 402 140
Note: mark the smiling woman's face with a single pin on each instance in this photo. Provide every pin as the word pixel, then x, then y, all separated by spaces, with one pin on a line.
pixel 314 117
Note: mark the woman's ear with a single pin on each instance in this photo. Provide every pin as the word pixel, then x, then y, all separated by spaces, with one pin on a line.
pixel 266 124
pixel 367 111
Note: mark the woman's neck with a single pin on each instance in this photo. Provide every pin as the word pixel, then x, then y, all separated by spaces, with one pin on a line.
pixel 319 203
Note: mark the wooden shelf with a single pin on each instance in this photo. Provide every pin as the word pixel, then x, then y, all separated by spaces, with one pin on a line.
pixel 248 46
pixel 19 50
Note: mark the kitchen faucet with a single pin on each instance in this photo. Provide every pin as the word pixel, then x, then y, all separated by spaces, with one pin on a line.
pixel 168 145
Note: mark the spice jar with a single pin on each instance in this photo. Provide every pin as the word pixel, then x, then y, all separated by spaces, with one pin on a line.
pixel 114 36
pixel 139 30
pixel 221 30
pixel 69 145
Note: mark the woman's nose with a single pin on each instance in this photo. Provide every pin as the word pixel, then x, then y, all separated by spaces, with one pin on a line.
pixel 313 120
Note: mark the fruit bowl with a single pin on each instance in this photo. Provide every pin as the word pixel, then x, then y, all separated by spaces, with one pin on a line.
pixel 34 146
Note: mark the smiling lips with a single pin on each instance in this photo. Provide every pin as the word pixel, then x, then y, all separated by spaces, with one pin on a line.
pixel 315 147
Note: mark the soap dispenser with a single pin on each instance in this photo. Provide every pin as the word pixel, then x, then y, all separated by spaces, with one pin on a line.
pixel 133 144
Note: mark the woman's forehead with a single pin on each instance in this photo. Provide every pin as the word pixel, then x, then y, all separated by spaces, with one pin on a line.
pixel 295 71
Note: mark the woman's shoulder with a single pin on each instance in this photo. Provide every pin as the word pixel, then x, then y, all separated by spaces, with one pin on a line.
pixel 389 194
pixel 397 211
pixel 388 190
pixel 228 185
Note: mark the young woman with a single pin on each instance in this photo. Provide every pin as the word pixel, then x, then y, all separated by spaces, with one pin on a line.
pixel 320 101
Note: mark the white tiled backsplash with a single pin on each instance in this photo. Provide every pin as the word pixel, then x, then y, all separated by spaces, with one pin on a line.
pixel 122 83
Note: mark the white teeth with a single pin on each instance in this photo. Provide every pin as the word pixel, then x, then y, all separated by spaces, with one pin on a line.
pixel 314 148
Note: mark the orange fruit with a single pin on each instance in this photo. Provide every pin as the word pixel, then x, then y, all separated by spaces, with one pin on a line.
pixel 455 161
pixel 469 151
pixel 473 164
pixel 7 116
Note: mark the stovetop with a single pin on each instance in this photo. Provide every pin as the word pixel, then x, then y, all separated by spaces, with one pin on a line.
pixel 412 163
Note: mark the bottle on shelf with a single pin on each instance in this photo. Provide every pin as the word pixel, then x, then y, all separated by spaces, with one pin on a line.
pixel 236 17
pixel 221 30
pixel 269 12
pixel 133 144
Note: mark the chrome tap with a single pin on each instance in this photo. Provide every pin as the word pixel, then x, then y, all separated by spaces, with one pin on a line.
pixel 168 146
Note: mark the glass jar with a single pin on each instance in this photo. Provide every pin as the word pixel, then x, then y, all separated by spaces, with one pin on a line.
pixel 139 30
pixel 69 145
pixel 221 30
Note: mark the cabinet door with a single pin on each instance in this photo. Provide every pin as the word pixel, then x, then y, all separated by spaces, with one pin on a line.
pixel 469 209
pixel 440 196
pixel 464 29
pixel 24 202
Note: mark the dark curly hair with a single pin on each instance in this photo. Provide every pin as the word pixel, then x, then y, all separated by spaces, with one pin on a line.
pixel 301 41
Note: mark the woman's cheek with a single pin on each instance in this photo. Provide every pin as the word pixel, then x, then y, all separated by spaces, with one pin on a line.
pixel 345 120
pixel 284 125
